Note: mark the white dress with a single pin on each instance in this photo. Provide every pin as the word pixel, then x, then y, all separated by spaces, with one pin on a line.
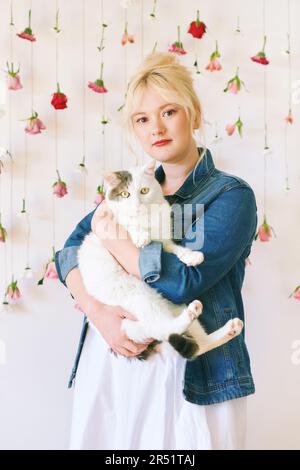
pixel 127 404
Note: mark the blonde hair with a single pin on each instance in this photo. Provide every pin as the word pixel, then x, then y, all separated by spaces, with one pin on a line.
pixel 173 81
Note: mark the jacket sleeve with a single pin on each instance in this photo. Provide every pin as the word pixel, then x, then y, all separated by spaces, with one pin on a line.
pixel 229 229
pixel 66 259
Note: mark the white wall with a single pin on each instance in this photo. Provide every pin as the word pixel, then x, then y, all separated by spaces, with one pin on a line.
pixel 40 335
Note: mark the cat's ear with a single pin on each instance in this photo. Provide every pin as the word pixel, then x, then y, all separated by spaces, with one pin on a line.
pixel 111 179
pixel 149 168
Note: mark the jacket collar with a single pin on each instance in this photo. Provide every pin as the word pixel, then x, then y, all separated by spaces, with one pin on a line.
pixel 204 169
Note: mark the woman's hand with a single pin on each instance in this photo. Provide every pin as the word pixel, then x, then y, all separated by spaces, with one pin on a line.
pixel 108 319
pixel 104 224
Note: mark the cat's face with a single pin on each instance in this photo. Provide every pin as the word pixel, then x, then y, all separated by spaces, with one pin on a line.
pixel 131 192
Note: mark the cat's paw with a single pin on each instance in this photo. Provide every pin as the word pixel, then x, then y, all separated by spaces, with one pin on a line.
pixel 141 240
pixel 195 309
pixel 235 327
pixel 191 258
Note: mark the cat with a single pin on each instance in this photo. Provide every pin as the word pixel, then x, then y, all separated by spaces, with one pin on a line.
pixel 129 196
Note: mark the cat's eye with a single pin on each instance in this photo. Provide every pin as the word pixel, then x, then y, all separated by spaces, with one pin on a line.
pixel 145 190
pixel 125 194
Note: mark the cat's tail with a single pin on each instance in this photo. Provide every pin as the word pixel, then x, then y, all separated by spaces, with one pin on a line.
pixel 184 344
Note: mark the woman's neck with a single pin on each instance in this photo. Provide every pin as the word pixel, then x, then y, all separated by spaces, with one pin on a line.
pixel 176 173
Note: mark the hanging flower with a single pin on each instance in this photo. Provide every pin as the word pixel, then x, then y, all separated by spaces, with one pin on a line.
pixel 98 85
pixel 214 64
pixel 260 57
pixel 5 306
pixel 50 270
pixel 59 187
pixel 177 46
pixel 59 100
pixel 27 33
pixel 12 291
pixel 28 273
pixel 1 167
pixel 197 28
pixel 153 13
pixel 56 29
pixel 127 37
pixel 3 234
pixel 34 125
pixel 264 232
pixel 13 79
pixel 4 153
pixel 230 128
pixel 289 119
pixel 296 293
pixel 100 195
pixel 247 262
pixel 81 168
pixel 234 84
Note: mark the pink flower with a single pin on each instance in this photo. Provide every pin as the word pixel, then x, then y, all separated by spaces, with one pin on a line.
pixel 51 272
pixel 234 85
pixel 264 232
pixel 35 125
pixel 27 33
pixel 97 86
pixel 12 291
pixel 127 37
pixel 289 119
pixel 297 293
pixel 60 189
pixel 14 83
pixel 100 195
pixel 260 57
pixel 230 128
pixel 177 46
pixel 214 64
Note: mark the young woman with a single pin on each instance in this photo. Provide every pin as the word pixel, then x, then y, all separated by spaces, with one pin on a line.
pixel 167 403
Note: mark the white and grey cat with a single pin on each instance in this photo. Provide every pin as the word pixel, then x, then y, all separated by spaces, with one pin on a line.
pixel 130 195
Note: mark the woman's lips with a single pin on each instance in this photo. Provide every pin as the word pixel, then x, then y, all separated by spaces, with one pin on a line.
pixel 163 142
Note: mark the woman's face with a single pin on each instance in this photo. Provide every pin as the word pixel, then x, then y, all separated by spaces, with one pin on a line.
pixel 155 119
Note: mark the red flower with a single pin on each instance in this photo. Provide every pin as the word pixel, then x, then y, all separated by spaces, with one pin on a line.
pixel 98 85
pixel 260 57
pixel 59 100
pixel 264 232
pixel 197 28
pixel 27 33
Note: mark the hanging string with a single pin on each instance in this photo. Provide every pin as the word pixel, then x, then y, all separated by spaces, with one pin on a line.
pixel 103 163
pixel 55 133
pixel 11 160
pixel 286 140
pixel 125 81
pixel 83 105
pixel 266 148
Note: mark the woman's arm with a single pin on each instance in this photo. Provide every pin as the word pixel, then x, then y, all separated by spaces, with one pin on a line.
pixel 229 228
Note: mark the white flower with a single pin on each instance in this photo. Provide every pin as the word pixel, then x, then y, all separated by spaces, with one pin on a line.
pixel 28 273
pixel 267 151
pixel 4 153
pixel 81 169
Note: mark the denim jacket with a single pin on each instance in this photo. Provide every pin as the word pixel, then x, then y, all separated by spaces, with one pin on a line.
pixel 229 219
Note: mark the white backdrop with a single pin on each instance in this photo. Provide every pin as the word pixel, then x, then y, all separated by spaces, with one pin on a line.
pixel 39 337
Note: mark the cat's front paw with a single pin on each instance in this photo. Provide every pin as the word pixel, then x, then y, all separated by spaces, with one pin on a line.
pixel 141 240
pixel 195 309
pixel 235 327
pixel 191 258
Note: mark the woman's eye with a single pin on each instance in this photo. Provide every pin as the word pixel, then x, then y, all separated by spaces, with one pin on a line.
pixel 170 111
pixel 125 194
pixel 145 190
pixel 138 120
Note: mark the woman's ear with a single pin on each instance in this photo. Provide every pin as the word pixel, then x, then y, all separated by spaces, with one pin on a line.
pixel 197 121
